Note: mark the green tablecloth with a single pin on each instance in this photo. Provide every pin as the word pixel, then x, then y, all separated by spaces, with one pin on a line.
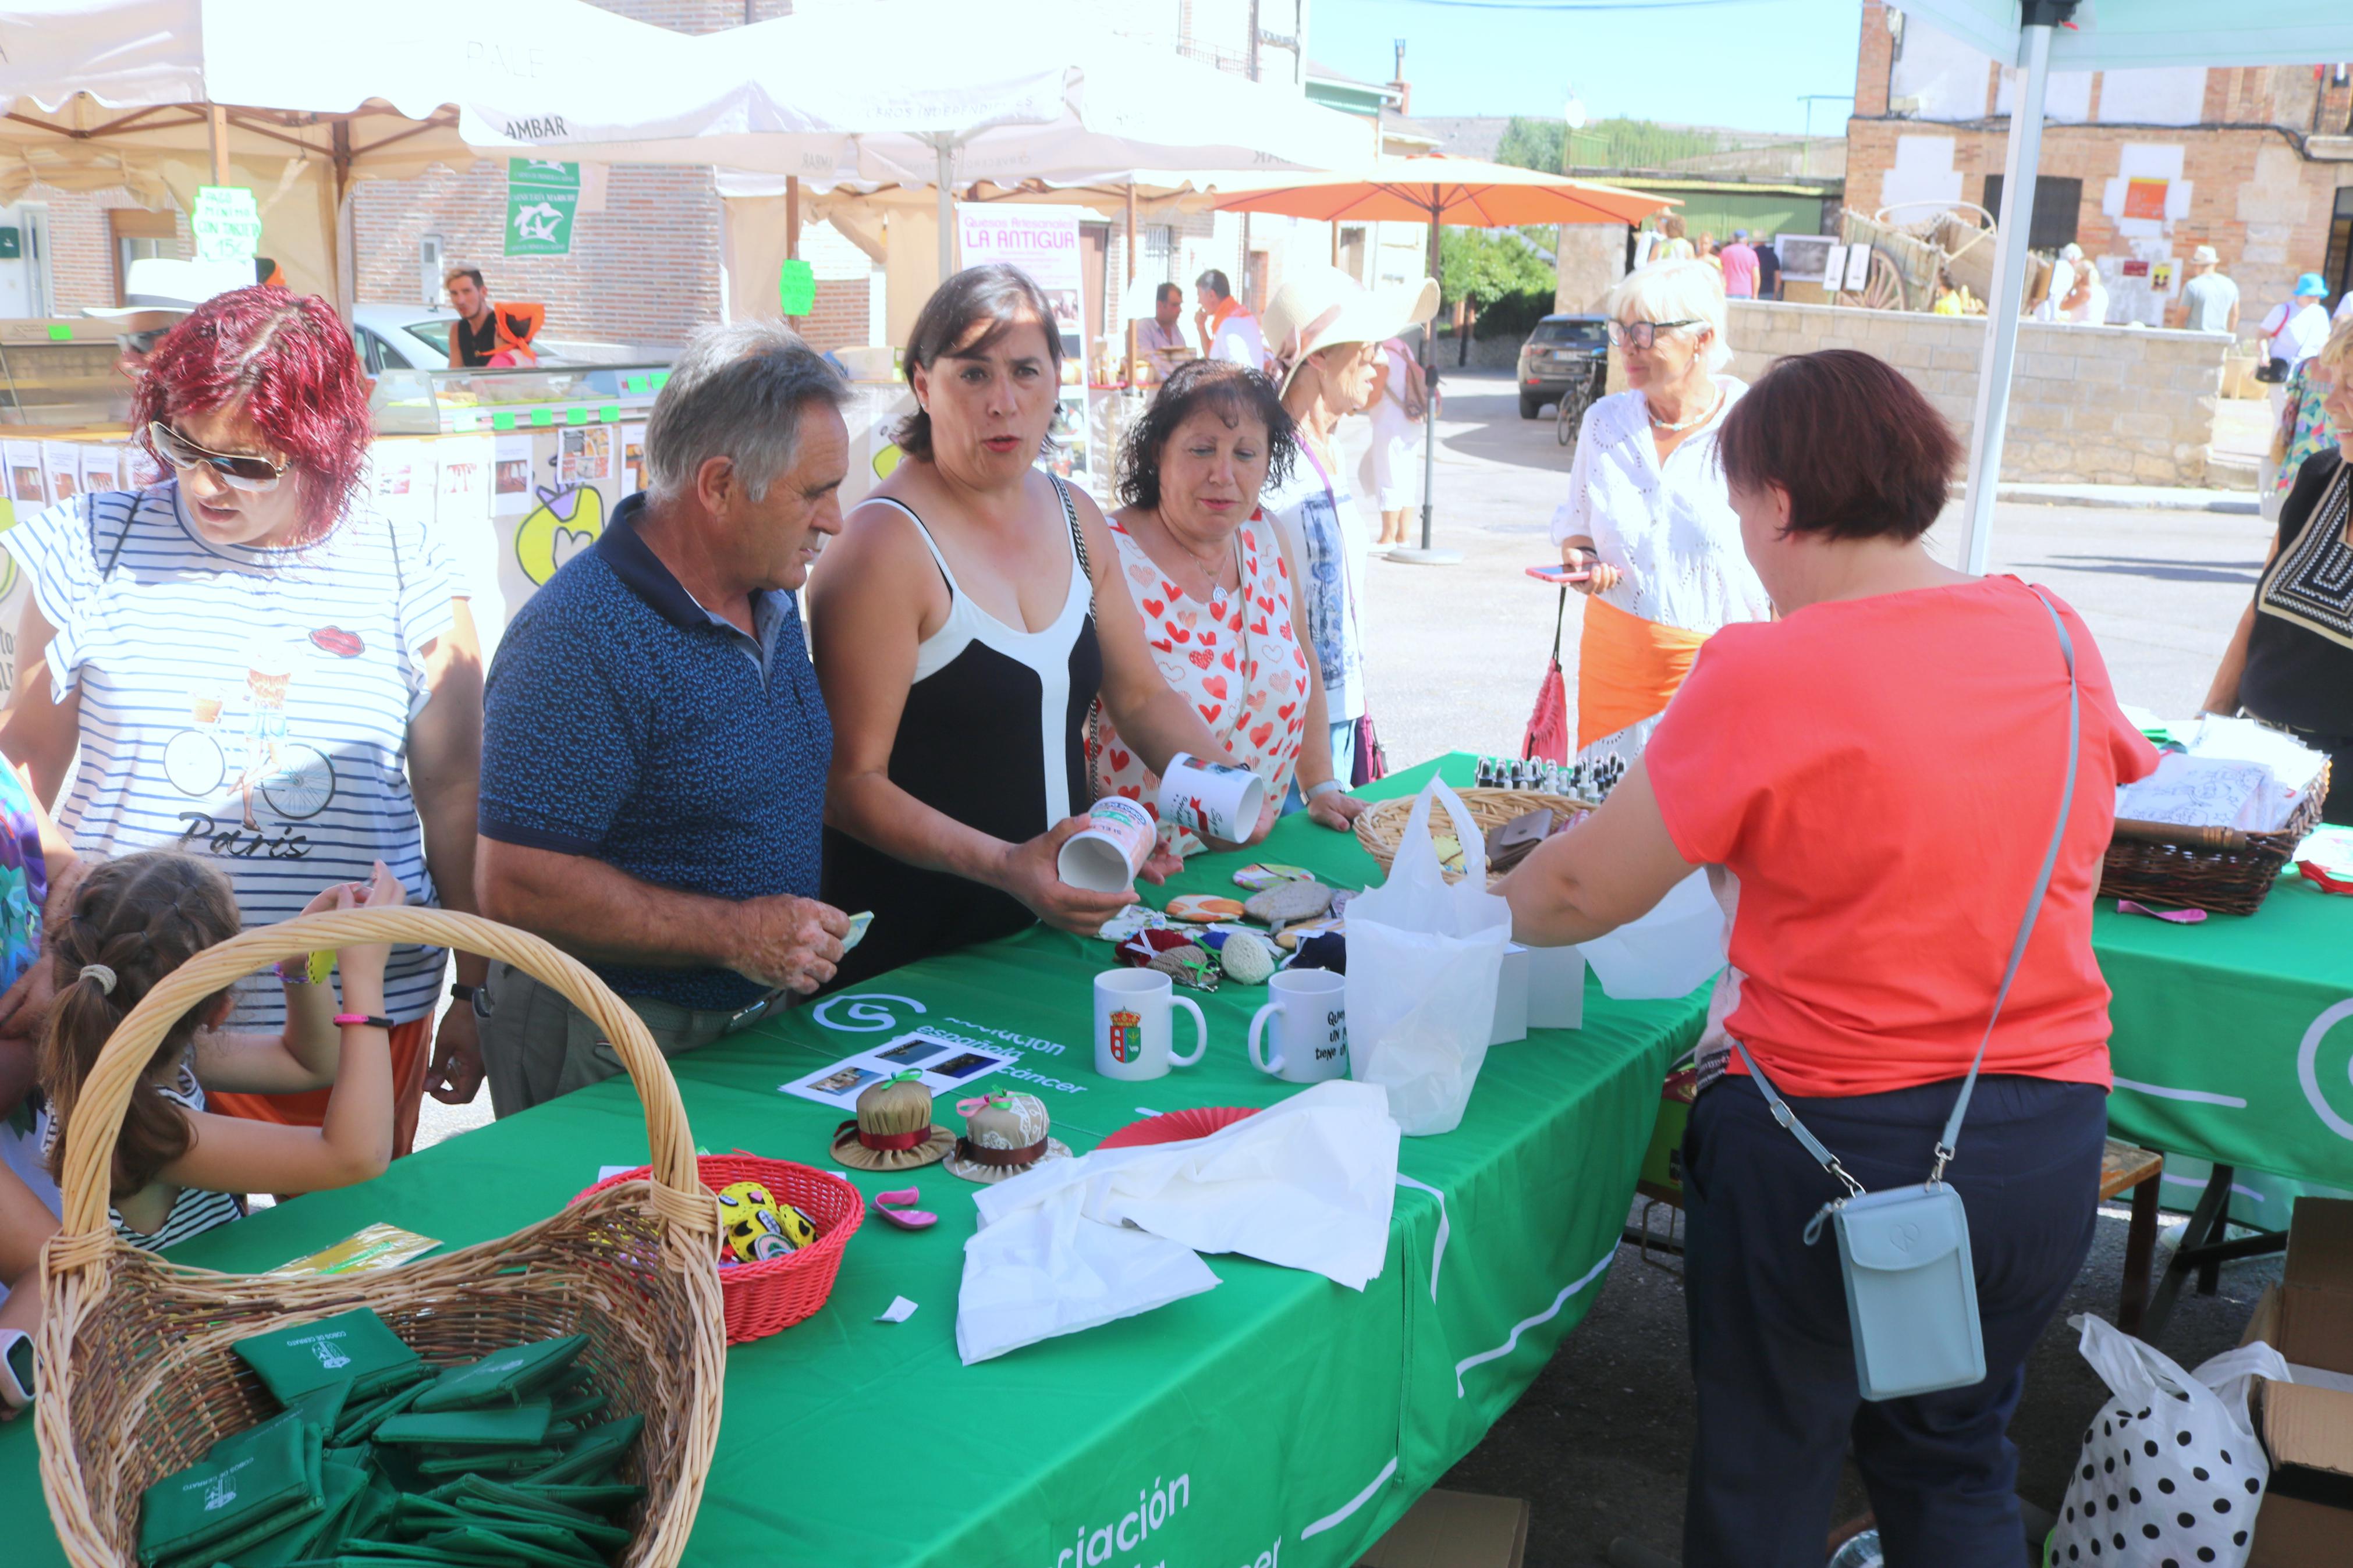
pixel 1278 1414
pixel 2231 1042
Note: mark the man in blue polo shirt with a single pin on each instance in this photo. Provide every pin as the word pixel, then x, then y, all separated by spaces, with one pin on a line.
pixel 654 746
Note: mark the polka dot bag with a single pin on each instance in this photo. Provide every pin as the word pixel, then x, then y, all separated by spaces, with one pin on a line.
pixel 2171 1472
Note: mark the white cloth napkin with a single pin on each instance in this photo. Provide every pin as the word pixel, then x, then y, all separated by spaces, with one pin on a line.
pixel 1307 1183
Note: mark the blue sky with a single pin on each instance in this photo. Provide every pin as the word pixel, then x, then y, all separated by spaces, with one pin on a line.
pixel 1739 63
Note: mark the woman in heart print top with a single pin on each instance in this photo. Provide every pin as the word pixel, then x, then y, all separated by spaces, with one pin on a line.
pixel 1210 578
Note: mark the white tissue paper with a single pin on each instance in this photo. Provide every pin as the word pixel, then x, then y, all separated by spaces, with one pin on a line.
pixel 1072 1243
pixel 1669 952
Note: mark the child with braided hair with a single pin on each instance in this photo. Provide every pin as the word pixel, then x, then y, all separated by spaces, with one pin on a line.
pixel 178 1169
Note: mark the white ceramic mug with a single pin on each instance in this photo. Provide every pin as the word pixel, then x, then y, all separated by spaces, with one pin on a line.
pixel 1216 800
pixel 1133 1025
pixel 1105 856
pixel 1310 1008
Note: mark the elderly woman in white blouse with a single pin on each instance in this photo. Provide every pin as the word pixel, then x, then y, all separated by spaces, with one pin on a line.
pixel 1648 515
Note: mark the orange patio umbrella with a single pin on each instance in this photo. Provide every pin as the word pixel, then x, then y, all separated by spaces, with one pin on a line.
pixel 1467 193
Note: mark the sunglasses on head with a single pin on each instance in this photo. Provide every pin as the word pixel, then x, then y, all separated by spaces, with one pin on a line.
pixel 238 470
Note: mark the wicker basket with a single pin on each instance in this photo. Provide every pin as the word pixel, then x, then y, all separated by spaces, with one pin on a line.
pixel 770 1296
pixel 2220 869
pixel 137 1375
pixel 1380 828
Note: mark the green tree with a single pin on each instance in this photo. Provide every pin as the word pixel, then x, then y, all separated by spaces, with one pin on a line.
pixel 1484 267
pixel 1531 145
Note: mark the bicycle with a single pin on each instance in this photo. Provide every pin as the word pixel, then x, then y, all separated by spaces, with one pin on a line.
pixel 295 780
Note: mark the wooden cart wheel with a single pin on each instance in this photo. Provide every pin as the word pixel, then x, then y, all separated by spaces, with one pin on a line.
pixel 1883 288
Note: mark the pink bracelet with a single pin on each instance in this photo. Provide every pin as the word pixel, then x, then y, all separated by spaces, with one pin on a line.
pixel 364 1020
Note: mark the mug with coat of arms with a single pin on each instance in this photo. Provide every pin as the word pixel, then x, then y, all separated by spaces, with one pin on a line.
pixel 1133 1025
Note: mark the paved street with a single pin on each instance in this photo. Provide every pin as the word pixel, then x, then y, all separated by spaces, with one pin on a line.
pixel 1599 1443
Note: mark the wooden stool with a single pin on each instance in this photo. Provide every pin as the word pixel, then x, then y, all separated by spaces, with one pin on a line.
pixel 2122 1166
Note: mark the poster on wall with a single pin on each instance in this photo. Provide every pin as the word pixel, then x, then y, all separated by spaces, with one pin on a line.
pixel 510 474
pixel 29 488
pixel 101 469
pixel 633 459
pixel 1042 241
pixel 61 461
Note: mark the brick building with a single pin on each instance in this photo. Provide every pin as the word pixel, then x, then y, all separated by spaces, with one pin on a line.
pixel 2138 166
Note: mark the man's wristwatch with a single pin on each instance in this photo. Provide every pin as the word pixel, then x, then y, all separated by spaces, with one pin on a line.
pixel 476 996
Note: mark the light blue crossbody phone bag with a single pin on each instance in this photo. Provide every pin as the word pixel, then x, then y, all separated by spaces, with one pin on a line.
pixel 1911 1289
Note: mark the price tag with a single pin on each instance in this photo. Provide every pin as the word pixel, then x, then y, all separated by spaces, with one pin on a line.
pixel 226 224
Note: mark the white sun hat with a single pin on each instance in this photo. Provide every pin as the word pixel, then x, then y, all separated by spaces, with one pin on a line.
pixel 1319 306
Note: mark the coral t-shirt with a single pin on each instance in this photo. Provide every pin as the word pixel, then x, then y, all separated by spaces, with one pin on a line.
pixel 1882 775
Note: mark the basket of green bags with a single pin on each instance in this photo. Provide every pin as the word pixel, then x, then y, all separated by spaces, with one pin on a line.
pixel 551 1397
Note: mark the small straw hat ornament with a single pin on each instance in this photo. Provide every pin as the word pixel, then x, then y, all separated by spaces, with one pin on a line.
pixel 1003 1135
pixel 893 1130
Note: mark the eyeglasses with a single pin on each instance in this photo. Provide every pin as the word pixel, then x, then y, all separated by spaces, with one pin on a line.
pixel 1642 334
pixel 238 470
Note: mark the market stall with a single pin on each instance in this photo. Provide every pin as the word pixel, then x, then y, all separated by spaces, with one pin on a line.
pixel 1278 1414
pixel 515 471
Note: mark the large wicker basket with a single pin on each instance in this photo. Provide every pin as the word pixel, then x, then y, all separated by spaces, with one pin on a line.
pixel 2218 868
pixel 137 1375
pixel 1380 828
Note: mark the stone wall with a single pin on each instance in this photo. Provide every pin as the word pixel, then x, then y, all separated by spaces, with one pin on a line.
pixel 2088 405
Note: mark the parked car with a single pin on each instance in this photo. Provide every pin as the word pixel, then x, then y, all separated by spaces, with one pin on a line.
pixel 1566 356
pixel 417 337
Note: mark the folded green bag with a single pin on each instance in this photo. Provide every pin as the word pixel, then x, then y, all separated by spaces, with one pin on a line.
pixel 594 1455
pixel 343 1485
pixel 608 1496
pixel 552 1537
pixel 253 1476
pixel 362 1427
pixel 593 1533
pixel 505 1376
pixel 490 1462
pixel 472 1489
pixel 516 1427
pixel 483 1541
pixel 355 1345
pixel 322 1407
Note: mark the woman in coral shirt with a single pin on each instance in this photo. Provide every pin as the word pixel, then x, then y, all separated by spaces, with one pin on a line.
pixel 1872 782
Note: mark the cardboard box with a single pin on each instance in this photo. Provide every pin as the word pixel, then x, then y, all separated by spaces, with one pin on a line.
pixel 2306 1518
pixel 1455 1530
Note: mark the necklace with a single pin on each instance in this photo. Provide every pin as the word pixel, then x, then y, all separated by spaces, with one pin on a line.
pixel 1700 418
pixel 1209 567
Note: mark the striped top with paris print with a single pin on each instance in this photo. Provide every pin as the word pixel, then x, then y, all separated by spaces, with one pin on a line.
pixel 250 706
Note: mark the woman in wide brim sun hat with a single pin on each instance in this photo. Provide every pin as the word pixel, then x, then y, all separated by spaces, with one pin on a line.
pixel 1325 331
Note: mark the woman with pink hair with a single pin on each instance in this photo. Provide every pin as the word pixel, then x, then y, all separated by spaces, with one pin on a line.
pixel 254 665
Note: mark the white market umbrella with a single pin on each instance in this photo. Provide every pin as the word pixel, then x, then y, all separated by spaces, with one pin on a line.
pixel 913 92
pixel 2036 36
pixel 163 95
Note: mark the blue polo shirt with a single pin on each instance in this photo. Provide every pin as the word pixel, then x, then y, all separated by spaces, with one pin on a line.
pixel 625 723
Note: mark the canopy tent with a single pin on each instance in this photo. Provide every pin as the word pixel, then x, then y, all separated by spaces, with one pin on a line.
pixel 761 217
pixel 163 96
pixel 1466 193
pixel 800 96
pixel 2037 36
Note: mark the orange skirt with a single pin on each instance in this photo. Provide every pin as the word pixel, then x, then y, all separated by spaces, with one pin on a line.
pixel 412 1050
pixel 1627 669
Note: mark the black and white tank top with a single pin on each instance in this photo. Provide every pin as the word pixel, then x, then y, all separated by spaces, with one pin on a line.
pixel 994 736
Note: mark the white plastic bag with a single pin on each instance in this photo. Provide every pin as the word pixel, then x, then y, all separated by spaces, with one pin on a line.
pixel 1667 952
pixel 2171 1468
pixel 1425 958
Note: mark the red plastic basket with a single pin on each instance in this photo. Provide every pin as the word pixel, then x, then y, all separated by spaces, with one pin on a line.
pixel 762 1298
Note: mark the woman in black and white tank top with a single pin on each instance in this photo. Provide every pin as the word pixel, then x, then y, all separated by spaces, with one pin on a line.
pixel 957 646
